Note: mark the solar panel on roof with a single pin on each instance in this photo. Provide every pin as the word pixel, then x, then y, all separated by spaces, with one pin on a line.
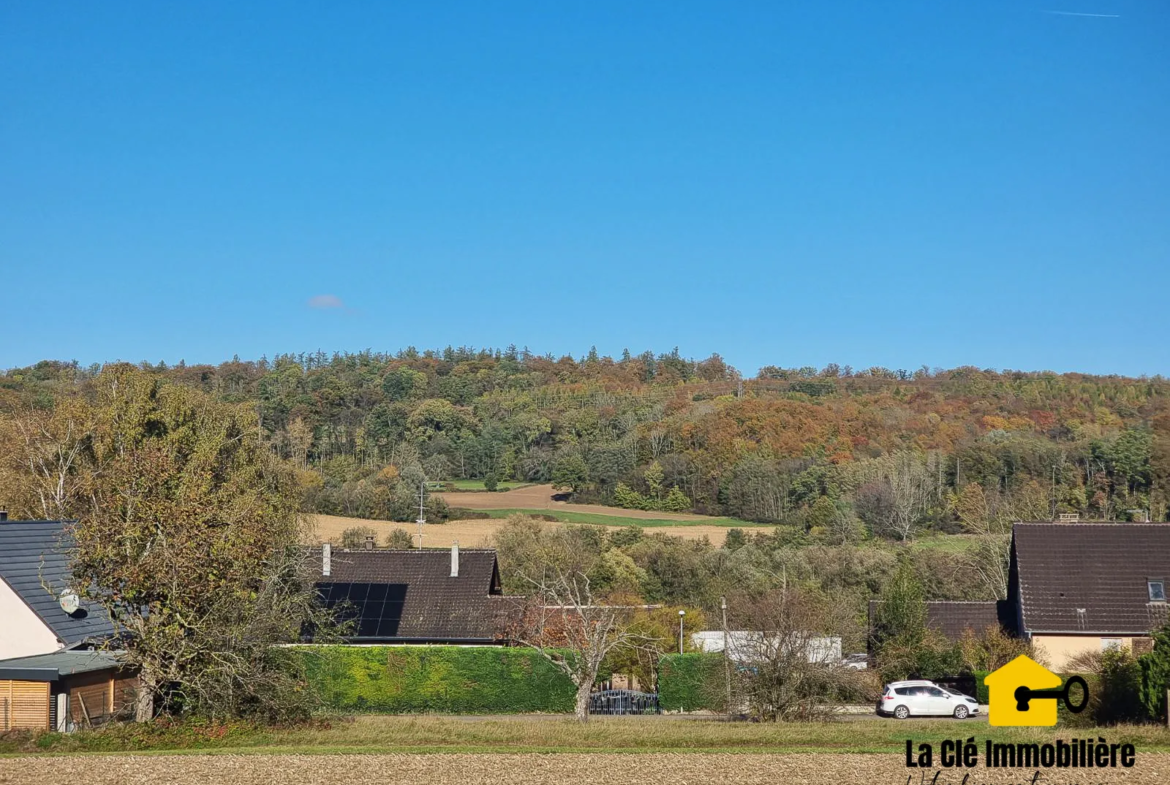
pixel 375 609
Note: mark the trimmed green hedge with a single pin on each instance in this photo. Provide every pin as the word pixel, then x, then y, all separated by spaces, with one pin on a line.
pixel 982 691
pixel 440 679
pixel 684 681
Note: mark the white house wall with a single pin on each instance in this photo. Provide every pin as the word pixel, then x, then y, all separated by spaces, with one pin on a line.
pixel 22 633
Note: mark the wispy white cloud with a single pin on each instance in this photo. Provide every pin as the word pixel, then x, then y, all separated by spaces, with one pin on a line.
pixel 1078 13
pixel 326 301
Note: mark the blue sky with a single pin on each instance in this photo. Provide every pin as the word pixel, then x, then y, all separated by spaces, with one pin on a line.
pixel 895 183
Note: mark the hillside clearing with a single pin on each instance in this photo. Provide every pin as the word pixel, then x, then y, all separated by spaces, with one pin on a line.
pixel 540 497
pixel 478 485
pixel 474 533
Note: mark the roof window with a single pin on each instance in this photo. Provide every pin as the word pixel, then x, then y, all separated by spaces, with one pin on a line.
pixel 1157 589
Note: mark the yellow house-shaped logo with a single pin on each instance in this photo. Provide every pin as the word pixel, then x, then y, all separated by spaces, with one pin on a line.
pixel 1003 683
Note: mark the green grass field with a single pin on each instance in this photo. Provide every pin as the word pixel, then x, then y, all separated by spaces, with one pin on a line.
pixel 477 485
pixel 432 734
pixel 598 519
pixel 946 543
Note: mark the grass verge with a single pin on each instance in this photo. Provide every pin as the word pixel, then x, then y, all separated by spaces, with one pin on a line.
pixel 431 734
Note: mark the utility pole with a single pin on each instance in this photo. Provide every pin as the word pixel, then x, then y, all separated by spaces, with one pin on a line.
pixel 422 518
pixel 726 654
pixel 681 614
pixel 1053 492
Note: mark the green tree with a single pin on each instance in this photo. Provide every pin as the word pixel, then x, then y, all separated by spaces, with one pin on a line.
pixel 734 540
pixel 676 501
pixel 901 609
pixel 654 476
pixel 404 383
pixel 1155 667
pixel 624 496
pixel 570 473
pixel 189 538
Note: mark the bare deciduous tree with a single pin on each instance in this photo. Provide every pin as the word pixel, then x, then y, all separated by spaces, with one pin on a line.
pixel 989 516
pixel 789 662
pixel 564 622
pixel 43 450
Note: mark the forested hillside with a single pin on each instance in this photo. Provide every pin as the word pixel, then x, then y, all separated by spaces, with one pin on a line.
pixel 843 452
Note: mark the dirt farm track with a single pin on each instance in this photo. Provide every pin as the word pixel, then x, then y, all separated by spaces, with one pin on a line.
pixel 531 769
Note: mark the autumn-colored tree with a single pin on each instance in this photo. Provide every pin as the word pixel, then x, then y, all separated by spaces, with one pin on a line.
pixel 188 535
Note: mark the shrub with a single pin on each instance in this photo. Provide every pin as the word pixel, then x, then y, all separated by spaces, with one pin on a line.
pixel 443 679
pixel 1120 693
pixel 689 682
pixel 1088 717
pixel 399 539
pixel 356 537
pixel 992 649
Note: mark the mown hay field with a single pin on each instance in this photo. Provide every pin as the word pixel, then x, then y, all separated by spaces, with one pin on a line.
pixel 476 533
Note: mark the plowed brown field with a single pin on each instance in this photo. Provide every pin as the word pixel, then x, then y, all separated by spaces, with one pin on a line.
pixel 520 769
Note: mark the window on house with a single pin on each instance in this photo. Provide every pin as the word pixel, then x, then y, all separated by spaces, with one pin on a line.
pixel 1110 644
pixel 1157 590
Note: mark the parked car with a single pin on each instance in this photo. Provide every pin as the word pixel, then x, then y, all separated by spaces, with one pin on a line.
pixel 857 662
pixel 921 698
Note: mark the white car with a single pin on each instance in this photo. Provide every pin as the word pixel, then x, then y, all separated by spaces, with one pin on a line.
pixel 922 698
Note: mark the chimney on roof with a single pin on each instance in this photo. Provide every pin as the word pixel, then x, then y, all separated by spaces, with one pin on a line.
pixel 369 543
pixel 455 560
pixel 326 559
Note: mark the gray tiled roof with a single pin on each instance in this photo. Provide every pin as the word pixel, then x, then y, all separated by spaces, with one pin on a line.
pixel 953 618
pixel 1090 577
pixel 411 596
pixel 50 667
pixel 34 562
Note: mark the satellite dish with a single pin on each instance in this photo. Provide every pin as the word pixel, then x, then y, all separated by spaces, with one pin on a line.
pixel 70 602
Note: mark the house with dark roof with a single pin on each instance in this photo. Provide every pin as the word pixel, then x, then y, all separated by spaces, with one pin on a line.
pixel 1085 587
pixel 41 611
pixel 64 690
pixel 413 596
pixel 1073 588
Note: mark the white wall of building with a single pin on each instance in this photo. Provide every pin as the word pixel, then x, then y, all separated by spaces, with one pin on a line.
pixel 752 646
pixel 22 633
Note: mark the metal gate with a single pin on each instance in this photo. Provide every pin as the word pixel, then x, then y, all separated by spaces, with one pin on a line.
pixel 623 702
pixel 963 684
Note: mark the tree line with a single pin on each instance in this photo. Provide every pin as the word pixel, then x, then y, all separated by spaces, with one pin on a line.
pixel 855 453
